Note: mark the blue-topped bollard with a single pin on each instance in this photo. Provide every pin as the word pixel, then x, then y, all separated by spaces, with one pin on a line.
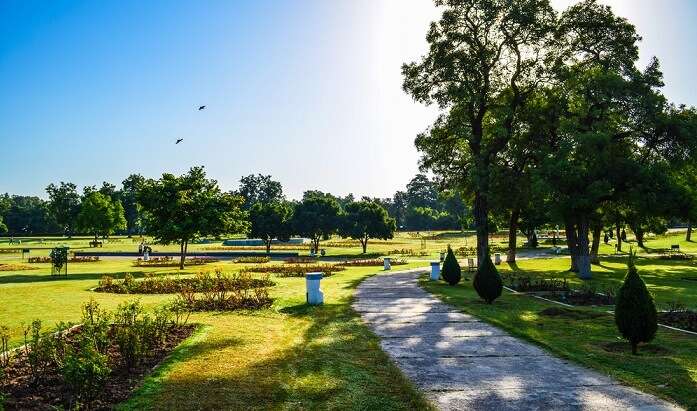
pixel 313 295
pixel 387 262
pixel 435 270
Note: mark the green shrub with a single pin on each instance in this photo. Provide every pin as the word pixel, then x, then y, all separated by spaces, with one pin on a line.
pixel 85 370
pixel 451 269
pixel 128 328
pixel 635 311
pixel 487 281
pixel 96 324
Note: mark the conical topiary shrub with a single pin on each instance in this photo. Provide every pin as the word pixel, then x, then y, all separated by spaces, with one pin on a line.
pixel 451 268
pixel 635 311
pixel 487 281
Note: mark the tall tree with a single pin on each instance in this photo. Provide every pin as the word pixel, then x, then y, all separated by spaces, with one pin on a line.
pixel 484 56
pixel 364 220
pixel 316 217
pixel 271 221
pixel 259 188
pixel 130 187
pixel 64 204
pixel 181 209
pixel 26 215
pixel 100 215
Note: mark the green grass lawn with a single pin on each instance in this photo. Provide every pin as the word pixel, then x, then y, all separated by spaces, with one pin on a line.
pixel 666 367
pixel 290 356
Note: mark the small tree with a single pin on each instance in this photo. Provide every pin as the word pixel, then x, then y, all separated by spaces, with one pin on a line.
pixel 181 209
pixel 635 311
pixel 487 281
pixel 271 220
pixel 363 220
pixel 316 217
pixel 451 268
pixel 100 215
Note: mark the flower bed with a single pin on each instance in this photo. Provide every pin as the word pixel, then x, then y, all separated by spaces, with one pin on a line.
pixel 16 267
pixel 525 284
pixel 300 260
pixel 170 262
pixel 93 366
pixel 295 270
pixel 203 281
pixel 409 252
pixel 679 316
pixel 587 295
pixel 253 260
pixel 73 259
pixel 369 262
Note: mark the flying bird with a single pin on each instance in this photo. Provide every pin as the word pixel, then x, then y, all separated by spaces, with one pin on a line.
pixel 179 140
pixel 201 108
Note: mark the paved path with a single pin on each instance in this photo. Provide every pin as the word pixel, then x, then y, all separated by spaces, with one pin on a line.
pixel 462 363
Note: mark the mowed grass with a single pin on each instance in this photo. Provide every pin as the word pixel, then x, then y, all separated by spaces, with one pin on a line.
pixel 290 356
pixel 668 280
pixel 666 367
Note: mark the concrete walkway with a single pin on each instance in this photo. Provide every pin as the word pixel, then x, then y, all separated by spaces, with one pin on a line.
pixel 462 363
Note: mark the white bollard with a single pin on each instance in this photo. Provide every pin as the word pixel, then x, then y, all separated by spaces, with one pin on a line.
pixel 387 263
pixel 146 256
pixel 497 259
pixel 442 257
pixel 314 294
pixel 435 270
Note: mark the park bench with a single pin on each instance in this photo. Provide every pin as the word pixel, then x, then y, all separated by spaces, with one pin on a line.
pixel 96 243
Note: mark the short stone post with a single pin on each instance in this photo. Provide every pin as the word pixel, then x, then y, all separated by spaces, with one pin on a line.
pixel 435 270
pixel 146 255
pixel 442 257
pixel 387 262
pixel 497 258
pixel 314 294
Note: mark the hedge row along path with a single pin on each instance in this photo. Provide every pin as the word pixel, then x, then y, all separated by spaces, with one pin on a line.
pixel 461 363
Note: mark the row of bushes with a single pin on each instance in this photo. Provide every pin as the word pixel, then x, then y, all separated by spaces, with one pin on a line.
pixel 73 259
pixel 295 270
pixel 526 283
pixel 408 251
pixel 224 299
pixel 70 367
pixel 170 262
pixel 202 281
pixel 371 262
pixel 253 260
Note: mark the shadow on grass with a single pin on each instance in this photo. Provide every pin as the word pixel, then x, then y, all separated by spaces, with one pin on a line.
pixel 46 277
pixel 336 363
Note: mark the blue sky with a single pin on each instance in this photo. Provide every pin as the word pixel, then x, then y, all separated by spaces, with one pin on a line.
pixel 305 90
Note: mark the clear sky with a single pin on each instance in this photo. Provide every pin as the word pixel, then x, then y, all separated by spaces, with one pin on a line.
pixel 308 91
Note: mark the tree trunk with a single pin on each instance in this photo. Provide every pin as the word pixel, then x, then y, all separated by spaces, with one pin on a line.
pixel 481 221
pixel 364 243
pixel 571 241
pixel 688 236
pixel 639 234
pixel 512 235
pixel 182 255
pixel 597 230
pixel 268 245
pixel 619 238
pixel 583 259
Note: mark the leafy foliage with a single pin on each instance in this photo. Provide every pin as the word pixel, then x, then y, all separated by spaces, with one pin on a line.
pixel 363 220
pixel 451 273
pixel 635 310
pixel 316 217
pixel 182 209
pixel 271 221
pixel 487 281
pixel 100 215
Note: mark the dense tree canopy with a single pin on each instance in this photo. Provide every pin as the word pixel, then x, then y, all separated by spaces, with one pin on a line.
pixel 363 220
pixel 271 221
pixel 259 189
pixel 100 215
pixel 64 203
pixel 182 209
pixel 316 217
